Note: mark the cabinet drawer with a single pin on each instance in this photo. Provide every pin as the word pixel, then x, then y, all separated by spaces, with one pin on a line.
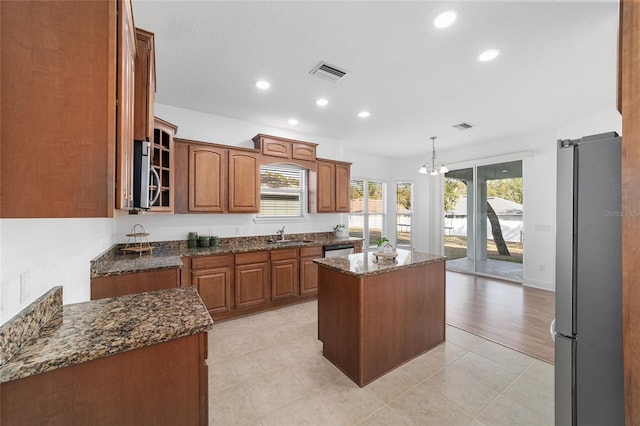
pixel 252 257
pixel 291 253
pixel 311 251
pixel 201 262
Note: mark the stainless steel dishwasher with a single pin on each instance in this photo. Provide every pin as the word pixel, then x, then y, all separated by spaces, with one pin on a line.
pixel 338 249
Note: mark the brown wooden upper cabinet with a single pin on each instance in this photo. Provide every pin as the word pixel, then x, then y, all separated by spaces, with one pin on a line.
pixel 136 94
pixel 163 162
pixel 145 87
pixel 200 178
pixel 244 182
pixel 331 187
pixel 59 83
pixel 288 149
pixel 213 179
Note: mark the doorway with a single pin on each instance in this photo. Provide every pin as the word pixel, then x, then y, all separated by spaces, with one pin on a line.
pixel 483 222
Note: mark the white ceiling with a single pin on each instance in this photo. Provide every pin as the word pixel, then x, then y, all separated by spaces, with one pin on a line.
pixel 558 64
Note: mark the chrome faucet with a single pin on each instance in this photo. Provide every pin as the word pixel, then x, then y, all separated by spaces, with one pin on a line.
pixel 280 232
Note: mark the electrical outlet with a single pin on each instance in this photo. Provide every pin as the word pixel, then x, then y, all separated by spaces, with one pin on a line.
pixel 25 286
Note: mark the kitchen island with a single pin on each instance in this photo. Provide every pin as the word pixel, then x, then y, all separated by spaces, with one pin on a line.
pixel 375 315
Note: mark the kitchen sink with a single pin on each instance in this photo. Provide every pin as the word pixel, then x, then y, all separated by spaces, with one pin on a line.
pixel 289 242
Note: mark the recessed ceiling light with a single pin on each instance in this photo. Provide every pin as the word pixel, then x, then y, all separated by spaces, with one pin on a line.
pixel 322 102
pixel 262 84
pixel 488 55
pixel 445 19
pixel 292 121
pixel 364 114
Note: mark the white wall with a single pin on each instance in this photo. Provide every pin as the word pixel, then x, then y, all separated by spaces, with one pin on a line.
pixel 47 253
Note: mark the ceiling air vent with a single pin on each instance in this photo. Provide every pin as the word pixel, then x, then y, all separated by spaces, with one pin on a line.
pixel 328 72
pixel 462 126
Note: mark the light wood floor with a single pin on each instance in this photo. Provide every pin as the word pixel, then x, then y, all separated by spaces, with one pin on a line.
pixel 513 315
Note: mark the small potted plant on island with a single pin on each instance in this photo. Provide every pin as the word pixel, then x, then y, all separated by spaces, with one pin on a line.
pixel 383 243
pixel 339 230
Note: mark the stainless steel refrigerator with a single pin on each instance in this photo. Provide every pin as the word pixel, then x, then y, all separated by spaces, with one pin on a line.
pixel 588 325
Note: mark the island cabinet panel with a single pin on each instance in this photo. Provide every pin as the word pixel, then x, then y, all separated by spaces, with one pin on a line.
pixel 58 107
pixel 244 182
pixel 162 384
pixel 284 274
pixel 120 285
pixel 251 279
pixel 309 270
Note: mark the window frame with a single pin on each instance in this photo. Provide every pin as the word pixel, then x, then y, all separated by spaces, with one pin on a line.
pixel 303 216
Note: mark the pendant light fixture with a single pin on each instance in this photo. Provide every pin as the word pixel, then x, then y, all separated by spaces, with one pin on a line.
pixel 435 168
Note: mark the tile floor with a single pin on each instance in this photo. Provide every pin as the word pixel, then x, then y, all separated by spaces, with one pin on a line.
pixel 268 369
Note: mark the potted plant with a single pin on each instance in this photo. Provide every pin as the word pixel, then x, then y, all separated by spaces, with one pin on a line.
pixel 339 230
pixel 380 241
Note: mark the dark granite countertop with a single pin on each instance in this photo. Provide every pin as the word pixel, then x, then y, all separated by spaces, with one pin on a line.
pixel 168 254
pixel 86 331
pixel 365 264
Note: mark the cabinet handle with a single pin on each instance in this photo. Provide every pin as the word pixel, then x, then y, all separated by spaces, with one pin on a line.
pixel 153 172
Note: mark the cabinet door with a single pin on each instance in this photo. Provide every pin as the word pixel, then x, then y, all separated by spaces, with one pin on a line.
pixel 214 287
pixel 126 105
pixel 244 182
pixel 276 147
pixel 145 86
pixel 308 275
pixel 163 162
pixel 284 279
pixel 343 198
pixel 303 151
pixel 207 179
pixel 251 285
pixel 326 186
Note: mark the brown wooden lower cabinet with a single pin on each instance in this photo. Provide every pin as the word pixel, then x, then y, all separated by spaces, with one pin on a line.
pixel 284 273
pixel 162 384
pixel 214 282
pixel 120 285
pixel 309 270
pixel 251 279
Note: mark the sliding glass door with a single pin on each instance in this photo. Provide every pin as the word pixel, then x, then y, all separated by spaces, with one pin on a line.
pixel 483 220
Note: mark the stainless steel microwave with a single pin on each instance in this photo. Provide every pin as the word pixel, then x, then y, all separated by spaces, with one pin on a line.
pixel 145 191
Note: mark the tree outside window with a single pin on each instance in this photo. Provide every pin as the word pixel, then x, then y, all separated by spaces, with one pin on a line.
pixel 404 213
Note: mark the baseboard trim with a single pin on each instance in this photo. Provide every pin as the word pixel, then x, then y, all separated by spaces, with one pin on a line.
pixel 542 285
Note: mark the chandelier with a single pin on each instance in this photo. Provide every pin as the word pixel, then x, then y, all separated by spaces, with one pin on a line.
pixel 435 168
